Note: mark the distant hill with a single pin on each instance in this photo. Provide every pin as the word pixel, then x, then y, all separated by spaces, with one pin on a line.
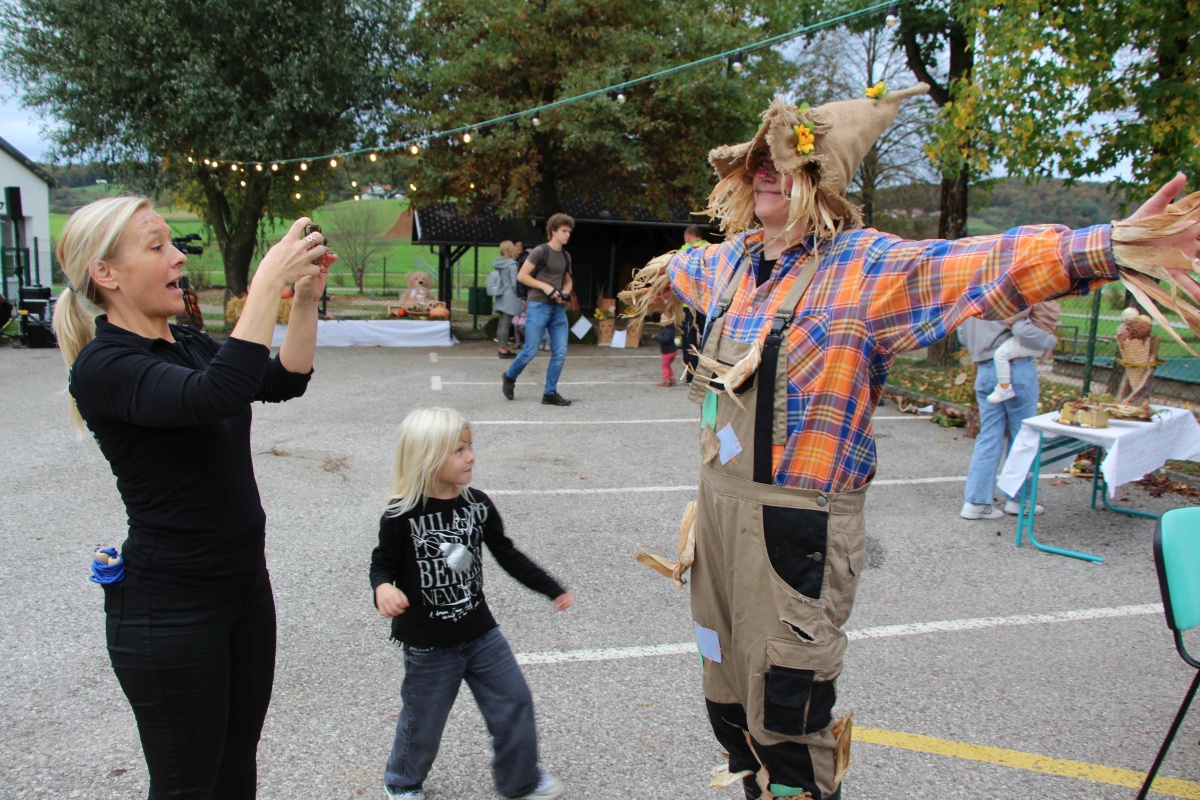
pixel 912 210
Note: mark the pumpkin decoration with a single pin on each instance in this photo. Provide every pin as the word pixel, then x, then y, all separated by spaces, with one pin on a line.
pixel 397 312
pixel 439 312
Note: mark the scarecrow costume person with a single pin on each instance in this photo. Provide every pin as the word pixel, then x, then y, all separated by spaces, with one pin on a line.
pixel 808 311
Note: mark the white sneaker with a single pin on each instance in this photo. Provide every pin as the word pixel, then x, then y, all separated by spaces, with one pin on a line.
pixel 980 511
pixel 548 788
pixel 1014 508
pixel 1001 393
pixel 403 794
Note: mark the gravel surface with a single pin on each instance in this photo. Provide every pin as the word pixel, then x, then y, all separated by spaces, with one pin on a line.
pixel 1099 690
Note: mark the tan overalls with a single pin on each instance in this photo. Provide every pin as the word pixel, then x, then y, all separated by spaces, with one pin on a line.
pixel 774 576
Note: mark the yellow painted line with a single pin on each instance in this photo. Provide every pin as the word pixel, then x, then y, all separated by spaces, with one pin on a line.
pixel 1081 770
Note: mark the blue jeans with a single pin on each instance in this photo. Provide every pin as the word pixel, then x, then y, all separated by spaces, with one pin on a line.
pixel 432 676
pixel 540 318
pixel 996 421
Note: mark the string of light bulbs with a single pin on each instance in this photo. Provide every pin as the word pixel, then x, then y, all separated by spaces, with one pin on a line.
pixel 465 133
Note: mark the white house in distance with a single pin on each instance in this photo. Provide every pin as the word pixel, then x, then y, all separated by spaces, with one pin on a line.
pixel 20 175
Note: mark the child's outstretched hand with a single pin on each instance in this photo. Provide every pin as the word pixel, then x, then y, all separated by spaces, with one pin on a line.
pixel 564 601
pixel 389 600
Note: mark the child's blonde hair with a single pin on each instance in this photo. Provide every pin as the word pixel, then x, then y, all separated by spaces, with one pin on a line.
pixel 427 437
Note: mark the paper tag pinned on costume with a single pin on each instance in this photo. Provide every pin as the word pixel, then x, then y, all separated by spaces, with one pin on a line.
pixel 707 641
pixel 730 444
pixel 708 411
pixel 581 327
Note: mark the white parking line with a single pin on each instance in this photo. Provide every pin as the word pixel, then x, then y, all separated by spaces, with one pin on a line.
pixel 692 420
pixel 691 487
pixel 435 383
pixel 881 632
pixel 560 383
pixel 433 358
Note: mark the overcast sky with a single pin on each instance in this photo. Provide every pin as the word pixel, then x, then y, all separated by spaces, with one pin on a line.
pixel 19 128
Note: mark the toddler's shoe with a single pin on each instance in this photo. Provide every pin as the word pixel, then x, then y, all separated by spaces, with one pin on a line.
pixel 1014 508
pixel 1001 393
pixel 980 511
pixel 548 788
pixel 404 794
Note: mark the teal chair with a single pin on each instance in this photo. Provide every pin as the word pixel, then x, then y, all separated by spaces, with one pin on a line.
pixel 1177 557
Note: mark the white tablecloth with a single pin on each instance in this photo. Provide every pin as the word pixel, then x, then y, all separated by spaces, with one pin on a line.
pixel 1132 449
pixel 377 333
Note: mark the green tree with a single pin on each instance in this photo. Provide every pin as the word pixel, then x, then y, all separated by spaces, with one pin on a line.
pixel 170 83
pixel 357 234
pixel 471 61
pixel 1081 87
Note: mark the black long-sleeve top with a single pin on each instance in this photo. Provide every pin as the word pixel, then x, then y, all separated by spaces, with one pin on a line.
pixel 433 553
pixel 666 339
pixel 173 420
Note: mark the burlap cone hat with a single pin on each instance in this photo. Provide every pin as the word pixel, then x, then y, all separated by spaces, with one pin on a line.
pixel 839 135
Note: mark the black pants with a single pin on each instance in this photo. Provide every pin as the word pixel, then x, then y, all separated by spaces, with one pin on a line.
pixel 197 669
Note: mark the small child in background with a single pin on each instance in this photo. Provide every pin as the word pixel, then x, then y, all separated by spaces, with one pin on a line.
pixel 427 574
pixel 1044 315
pixel 667 346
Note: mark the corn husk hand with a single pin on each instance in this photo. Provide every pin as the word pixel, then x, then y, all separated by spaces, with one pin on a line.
pixel 686 551
pixel 730 376
pixel 1141 268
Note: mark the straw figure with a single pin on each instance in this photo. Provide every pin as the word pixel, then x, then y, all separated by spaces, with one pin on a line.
pixel 1139 357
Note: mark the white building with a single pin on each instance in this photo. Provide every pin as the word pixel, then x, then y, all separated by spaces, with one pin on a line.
pixel 20 177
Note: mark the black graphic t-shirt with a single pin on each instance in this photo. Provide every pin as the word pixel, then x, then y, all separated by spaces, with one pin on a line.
pixel 434 554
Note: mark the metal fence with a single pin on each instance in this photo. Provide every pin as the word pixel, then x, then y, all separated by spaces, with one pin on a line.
pixel 1087 350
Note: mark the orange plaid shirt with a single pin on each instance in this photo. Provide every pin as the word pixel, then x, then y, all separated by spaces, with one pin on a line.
pixel 874 296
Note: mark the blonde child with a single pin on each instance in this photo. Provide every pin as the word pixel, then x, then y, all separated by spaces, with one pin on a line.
pixel 1044 315
pixel 427 574
pixel 667 347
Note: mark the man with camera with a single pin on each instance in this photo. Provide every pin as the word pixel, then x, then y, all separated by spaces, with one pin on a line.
pixel 547 274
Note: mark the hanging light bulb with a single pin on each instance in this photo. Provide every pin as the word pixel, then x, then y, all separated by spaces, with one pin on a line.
pixel 467 137
pixel 258 167
pixel 535 121
pixel 206 162
pixel 412 186
pixel 356 197
pixel 233 167
pixel 893 17
pixel 191 160
pixel 621 97
pixel 414 148
pixel 243 183
pixel 353 184
pixel 296 177
pixel 737 63
pixel 371 157
pixel 472 186
pixel 303 166
pixel 274 168
pixel 333 163
pixel 297 195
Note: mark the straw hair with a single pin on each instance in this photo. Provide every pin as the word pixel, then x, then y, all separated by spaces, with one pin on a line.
pixel 89 236
pixel 508 249
pixel 427 438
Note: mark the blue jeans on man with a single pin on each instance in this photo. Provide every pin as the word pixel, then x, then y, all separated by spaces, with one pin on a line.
pixel 432 676
pixel 542 317
pixel 998 421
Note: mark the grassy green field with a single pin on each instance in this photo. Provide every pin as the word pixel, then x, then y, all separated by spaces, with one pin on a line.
pixel 384 274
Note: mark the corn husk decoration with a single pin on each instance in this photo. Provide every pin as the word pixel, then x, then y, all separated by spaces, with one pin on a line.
pixel 650 291
pixel 1142 267
pixel 730 376
pixel 685 553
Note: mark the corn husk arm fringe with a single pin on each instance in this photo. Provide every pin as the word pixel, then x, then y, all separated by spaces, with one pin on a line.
pixel 1142 268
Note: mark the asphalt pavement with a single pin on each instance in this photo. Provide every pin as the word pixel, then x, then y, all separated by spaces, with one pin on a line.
pixel 976 669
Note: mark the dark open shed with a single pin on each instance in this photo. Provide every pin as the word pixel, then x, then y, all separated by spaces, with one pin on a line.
pixel 605 248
